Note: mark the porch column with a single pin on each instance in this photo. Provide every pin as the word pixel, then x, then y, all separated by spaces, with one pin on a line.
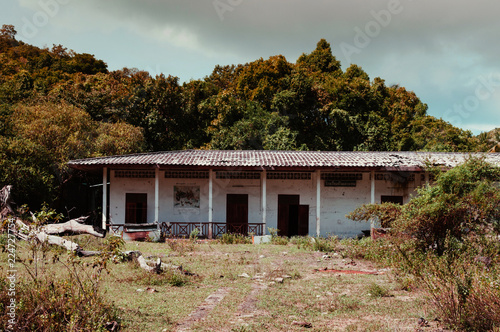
pixel 210 203
pixel 264 201
pixel 157 194
pixel 104 196
pixel 318 202
pixel 426 178
pixel 372 198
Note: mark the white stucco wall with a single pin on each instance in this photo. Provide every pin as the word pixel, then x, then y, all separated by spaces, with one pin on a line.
pixel 336 202
pixel 119 187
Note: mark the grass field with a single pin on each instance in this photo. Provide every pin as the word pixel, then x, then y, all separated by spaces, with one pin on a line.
pixel 245 287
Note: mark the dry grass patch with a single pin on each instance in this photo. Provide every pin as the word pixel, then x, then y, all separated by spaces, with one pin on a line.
pixel 269 287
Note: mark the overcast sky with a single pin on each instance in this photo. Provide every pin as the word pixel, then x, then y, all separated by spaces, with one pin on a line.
pixel 445 51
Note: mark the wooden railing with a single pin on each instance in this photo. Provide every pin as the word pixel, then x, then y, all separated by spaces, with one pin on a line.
pixel 184 229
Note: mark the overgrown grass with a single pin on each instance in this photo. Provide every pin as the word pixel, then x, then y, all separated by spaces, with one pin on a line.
pixel 320 298
pixel 65 296
pixel 463 283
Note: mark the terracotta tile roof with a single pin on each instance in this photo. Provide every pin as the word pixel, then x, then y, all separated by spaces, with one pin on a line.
pixel 248 159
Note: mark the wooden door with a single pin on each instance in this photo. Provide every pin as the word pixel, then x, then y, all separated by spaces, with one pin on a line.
pixel 136 207
pixel 303 220
pixel 288 214
pixel 237 213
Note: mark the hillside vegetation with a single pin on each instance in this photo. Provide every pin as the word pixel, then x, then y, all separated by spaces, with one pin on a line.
pixel 57 105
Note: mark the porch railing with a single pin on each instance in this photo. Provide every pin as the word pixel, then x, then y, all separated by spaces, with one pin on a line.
pixel 184 229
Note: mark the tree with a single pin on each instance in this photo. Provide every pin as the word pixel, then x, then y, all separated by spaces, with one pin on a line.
pixel 320 60
pixel 462 201
pixel 117 138
pixel 8 31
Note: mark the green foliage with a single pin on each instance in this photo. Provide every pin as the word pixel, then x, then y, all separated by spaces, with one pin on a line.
pixel 45 216
pixel 280 240
pixel 320 60
pixel 193 236
pixel 384 213
pixel 273 231
pixel 57 105
pixel 117 138
pixel 232 238
pixel 463 200
pixel 445 241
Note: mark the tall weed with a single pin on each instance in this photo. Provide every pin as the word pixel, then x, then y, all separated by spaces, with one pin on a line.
pixel 463 282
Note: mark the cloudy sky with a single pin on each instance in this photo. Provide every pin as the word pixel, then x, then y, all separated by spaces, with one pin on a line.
pixel 445 51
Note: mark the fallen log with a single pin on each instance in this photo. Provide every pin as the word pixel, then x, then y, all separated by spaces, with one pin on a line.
pixel 47 233
pixel 73 227
pixel 56 240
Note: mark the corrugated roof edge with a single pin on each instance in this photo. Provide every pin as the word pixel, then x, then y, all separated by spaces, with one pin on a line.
pixel 410 160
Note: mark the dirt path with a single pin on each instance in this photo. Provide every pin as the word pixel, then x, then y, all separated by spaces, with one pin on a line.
pixel 204 309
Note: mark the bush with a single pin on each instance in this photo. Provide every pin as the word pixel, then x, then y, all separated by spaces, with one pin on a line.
pixel 328 244
pixel 280 240
pixel 446 241
pixel 462 201
pixel 234 238
pixel 463 284
pixel 48 303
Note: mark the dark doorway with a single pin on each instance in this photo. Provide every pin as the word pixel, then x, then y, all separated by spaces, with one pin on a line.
pixel 237 213
pixel 293 218
pixel 136 208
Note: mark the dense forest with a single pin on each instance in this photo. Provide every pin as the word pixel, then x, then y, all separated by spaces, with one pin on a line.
pixel 57 105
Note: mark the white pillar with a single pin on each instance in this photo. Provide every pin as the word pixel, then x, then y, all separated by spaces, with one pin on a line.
pixel 318 202
pixel 372 175
pixel 264 201
pixel 104 196
pixel 210 203
pixel 157 194
pixel 372 198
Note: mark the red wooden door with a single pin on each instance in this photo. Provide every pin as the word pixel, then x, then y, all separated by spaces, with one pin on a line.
pixel 237 213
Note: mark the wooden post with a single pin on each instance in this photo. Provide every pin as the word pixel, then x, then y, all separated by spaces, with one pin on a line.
pixel 104 197
pixel 210 203
pixel 318 202
pixel 264 201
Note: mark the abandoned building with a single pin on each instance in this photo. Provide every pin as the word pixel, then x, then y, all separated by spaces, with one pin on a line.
pixel 296 192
